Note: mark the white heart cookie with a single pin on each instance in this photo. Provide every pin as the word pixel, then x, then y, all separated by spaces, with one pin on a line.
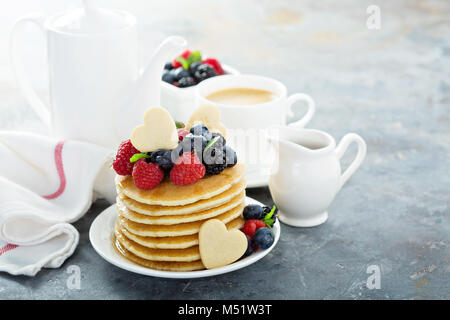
pixel 218 246
pixel 157 132
pixel 209 116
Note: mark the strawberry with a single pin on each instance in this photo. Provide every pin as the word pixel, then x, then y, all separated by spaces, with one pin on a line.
pixel 182 133
pixel 121 163
pixel 147 175
pixel 187 169
pixel 215 64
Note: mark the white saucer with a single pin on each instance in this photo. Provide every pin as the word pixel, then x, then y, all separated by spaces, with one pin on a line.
pixel 101 236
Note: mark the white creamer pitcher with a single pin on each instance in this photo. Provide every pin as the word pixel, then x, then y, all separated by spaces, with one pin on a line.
pixel 307 173
pixel 98 90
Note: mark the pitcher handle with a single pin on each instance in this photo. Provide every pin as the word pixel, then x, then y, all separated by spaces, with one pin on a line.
pixel 342 148
pixel 311 108
pixel 24 82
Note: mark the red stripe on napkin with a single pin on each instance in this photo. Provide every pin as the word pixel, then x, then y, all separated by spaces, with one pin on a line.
pixel 8 247
pixel 60 169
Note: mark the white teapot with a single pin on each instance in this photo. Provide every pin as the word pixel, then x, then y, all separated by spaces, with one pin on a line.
pixel 98 91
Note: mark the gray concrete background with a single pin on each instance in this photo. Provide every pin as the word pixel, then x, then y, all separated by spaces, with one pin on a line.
pixel 391 86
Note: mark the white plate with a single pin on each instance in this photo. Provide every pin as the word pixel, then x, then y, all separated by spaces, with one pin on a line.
pixel 101 236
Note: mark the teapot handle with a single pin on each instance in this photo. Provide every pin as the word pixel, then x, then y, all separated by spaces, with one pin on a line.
pixel 24 82
pixel 311 109
pixel 342 148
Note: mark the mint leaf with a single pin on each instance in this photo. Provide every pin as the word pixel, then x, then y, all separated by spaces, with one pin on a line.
pixel 179 125
pixel 269 223
pixel 270 214
pixel 195 56
pixel 183 62
pixel 268 218
pixel 138 156
pixel 212 141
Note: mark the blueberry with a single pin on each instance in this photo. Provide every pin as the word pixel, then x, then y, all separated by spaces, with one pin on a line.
pixel 253 211
pixel 213 153
pixel 168 76
pixel 162 158
pixel 249 250
pixel 201 130
pixel 214 168
pixel 179 73
pixel 204 72
pixel 168 66
pixel 230 156
pixel 263 238
pixel 195 143
pixel 186 82
pixel 217 134
pixel 193 67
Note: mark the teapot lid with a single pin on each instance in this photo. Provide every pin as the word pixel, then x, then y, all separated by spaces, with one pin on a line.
pixel 91 20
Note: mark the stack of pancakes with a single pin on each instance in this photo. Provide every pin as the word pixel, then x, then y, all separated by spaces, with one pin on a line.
pixel 158 228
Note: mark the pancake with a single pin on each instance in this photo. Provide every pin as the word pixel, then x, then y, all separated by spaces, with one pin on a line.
pixel 187 254
pixel 169 194
pixel 181 218
pixel 174 230
pixel 159 265
pixel 180 242
pixel 155 210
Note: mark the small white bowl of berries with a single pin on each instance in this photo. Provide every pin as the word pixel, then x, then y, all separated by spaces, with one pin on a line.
pixel 180 77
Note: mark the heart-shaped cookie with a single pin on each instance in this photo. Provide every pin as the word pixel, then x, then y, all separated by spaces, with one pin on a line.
pixel 218 246
pixel 209 116
pixel 157 132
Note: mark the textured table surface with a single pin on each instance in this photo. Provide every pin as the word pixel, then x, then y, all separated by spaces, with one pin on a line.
pixel 391 86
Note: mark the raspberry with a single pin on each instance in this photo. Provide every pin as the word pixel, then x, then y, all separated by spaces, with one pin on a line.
pixel 182 133
pixel 249 229
pixel 251 226
pixel 184 55
pixel 215 64
pixel 258 223
pixel 187 169
pixel 121 163
pixel 147 175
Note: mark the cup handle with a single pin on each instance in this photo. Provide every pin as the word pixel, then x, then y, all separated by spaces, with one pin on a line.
pixel 28 91
pixel 311 108
pixel 342 148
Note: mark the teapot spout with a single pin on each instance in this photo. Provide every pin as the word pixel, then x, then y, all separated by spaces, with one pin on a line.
pixel 145 92
pixel 149 85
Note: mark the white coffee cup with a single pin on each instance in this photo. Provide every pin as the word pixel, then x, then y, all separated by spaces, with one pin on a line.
pixel 255 116
pixel 247 124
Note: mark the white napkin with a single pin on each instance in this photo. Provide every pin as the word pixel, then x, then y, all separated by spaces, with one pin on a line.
pixel 45 185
